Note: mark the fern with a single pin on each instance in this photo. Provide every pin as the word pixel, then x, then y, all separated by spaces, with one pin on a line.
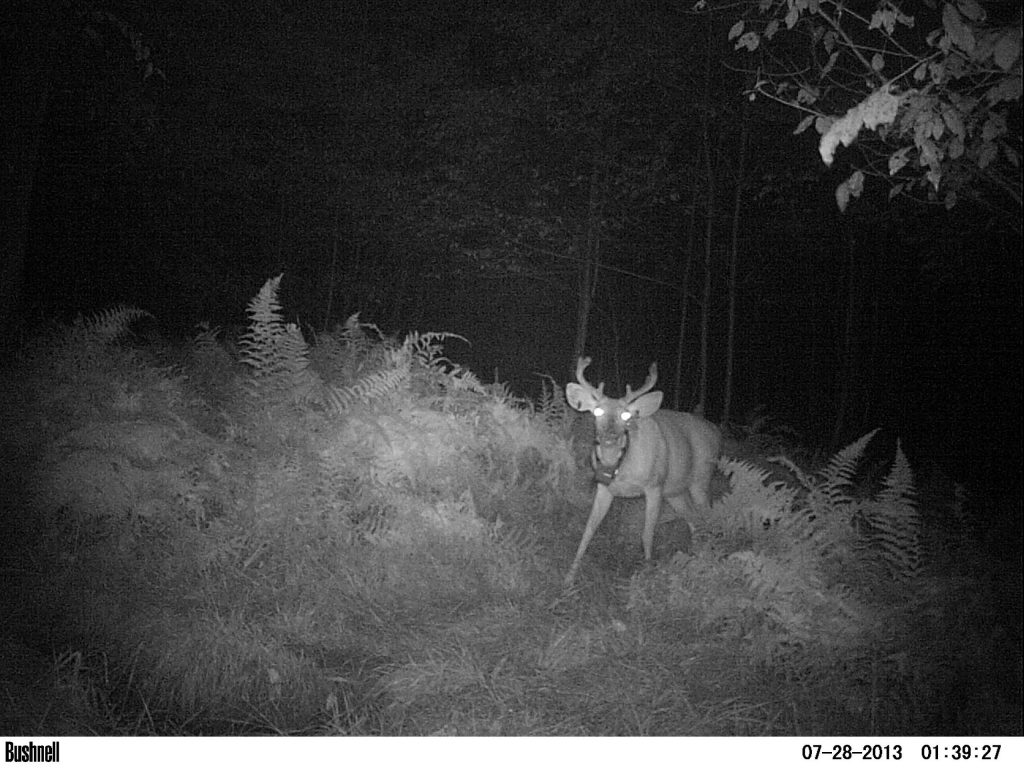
pixel 893 522
pixel 206 341
pixel 396 364
pixel 448 386
pixel 860 532
pixel 501 392
pixel 552 407
pixel 101 329
pixel 426 348
pixel 810 554
pixel 276 352
pixel 355 338
pixel 84 347
pixel 373 388
pixel 899 483
pixel 330 358
pixel 837 477
pixel 754 503
pixel 111 324
pixel 259 343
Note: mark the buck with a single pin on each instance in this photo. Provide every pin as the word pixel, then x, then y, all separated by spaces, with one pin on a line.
pixel 642 450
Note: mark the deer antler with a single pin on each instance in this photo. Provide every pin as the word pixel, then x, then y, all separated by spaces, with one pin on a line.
pixel 581 364
pixel 652 377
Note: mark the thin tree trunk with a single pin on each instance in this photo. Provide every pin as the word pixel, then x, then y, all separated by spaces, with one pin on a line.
pixel 25 90
pixel 734 248
pixel 588 272
pixel 332 276
pixel 709 222
pixel 846 370
pixel 684 300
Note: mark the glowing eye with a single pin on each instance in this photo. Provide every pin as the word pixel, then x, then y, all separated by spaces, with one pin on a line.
pixel 599 411
pixel 626 416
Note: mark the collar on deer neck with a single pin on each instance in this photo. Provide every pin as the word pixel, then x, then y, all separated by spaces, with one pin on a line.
pixel 604 473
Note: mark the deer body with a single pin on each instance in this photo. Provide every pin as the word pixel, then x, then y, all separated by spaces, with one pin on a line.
pixel 641 450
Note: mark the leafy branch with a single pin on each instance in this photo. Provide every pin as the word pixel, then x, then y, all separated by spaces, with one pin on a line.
pixel 932 100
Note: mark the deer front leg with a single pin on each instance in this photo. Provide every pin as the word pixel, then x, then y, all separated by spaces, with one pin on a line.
pixel 653 509
pixel 602 502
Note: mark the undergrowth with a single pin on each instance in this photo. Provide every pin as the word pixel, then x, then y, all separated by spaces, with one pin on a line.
pixel 346 533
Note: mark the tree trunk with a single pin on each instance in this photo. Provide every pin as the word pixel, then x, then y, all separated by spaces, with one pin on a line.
pixel 26 83
pixel 589 261
pixel 709 221
pixel 684 300
pixel 733 259
pixel 847 367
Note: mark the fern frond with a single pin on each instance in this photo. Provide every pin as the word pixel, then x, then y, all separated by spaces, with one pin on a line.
pixel 753 501
pixel 373 388
pixel 898 486
pixel 113 323
pixel 893 522
pixel 304 385
pixel 206 340
pixel 838 475
pixel 461 379
pixel 426 348
pixel 552 407
pixel 805 479
pixel 84 346
pixel 265 310
pixel 276 352
pixel 354 336
pixel 259 343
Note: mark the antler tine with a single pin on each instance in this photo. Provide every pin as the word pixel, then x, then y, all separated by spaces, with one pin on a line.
pixel 652 378
pixel 581 364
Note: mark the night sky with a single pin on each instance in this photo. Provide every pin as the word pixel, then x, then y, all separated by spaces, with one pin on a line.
pixel 439 166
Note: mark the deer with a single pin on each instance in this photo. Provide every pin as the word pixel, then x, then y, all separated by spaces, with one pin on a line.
pixel 640 449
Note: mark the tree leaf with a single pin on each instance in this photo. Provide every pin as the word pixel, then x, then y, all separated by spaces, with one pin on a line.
pixel 804 124
pixel 829 41
pixel 748 40
pixel 884 18
pixel 830 64
pixel 807 95
pixel 994 127
pixel 986 154
pixel 971 10
pixel 898 159
pixel 1007 89
pixel 1007 49
pixel 953 120
pixel 852 187
pixel 877 109
pixel 956 148
pixel 959 33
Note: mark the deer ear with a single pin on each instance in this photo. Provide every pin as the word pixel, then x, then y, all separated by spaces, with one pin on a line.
pixel 648 404
pixel 579 397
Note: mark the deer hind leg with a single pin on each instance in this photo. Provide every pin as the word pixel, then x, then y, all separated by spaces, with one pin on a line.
pixel 651 512
pixel 700 486
pixel 683 511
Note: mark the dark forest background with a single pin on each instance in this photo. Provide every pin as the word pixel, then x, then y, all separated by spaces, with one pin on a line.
pixel 441 165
